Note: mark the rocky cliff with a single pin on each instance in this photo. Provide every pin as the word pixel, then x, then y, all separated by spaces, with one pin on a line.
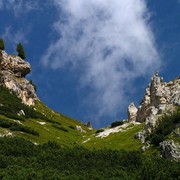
pixel 160 98
pixel 13 71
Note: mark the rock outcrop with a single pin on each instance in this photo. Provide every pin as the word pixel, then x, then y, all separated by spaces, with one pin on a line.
pixel 170 150
pixel 12 75
pixel 132 113
pixel 160 97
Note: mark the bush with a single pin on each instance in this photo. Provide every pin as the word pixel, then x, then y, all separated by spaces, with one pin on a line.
pixel 35 87
pixel 59 127
pixel 11 105
pixel 21 159
pixel 99 130
pixel 2 44
pixel 72 127
pixel 13 126
pixel 20 51
pixel 164 127
pixel 117 123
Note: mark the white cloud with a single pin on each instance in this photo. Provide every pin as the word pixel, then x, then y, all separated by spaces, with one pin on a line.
pixel 110 42
pixel 18 7
pixel 13 37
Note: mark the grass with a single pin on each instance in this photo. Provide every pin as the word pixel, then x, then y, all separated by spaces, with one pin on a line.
pixel 121 140
pixel 53 126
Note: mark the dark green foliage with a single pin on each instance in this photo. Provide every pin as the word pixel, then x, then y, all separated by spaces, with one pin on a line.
pixel 117 123
pixel 13 126
pixel 35 87
pixel 20 51
pixel 11 105
pixel 72 127
pixel 60 127
pixel 2 44
pixel 164 127
pixel 21 159
pixel 99 130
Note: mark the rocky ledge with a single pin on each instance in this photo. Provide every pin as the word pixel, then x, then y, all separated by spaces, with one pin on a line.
pixel 13 71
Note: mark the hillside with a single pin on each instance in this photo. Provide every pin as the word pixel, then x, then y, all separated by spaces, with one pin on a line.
pixel 59 147
pixel 22 114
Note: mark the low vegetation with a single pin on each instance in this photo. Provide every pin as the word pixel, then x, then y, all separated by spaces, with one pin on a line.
pixel 164 127
pixel 59 127
pixel 99 130
pixel 11 105
pixel 2 47
pixel 50 161
pixel 14 126
pixel 117 123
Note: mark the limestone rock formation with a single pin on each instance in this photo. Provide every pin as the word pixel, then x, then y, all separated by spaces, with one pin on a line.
pixel 160 97
pixel 170 150
pixel 12 75
pixel 132 113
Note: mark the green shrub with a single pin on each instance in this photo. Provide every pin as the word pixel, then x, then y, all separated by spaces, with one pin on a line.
pixel 99 130
pixel 72 127
pixel 35 87
pixel 164 127
pixel 117 123
pixel 11 105
pixel 20 51
pixel 21 159
pixel 2 44
pixel 13 126
pixel 59 127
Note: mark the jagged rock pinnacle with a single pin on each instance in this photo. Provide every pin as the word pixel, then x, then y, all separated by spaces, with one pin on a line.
pixel 159 98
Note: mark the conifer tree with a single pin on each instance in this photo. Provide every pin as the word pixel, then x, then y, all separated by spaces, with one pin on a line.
pixel 20 51
pixel 2 44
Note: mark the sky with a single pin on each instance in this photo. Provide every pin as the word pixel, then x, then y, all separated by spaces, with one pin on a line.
pixel 91 59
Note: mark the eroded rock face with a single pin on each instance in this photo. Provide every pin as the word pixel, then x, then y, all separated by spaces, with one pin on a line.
pixel 15 64
pixel 132 113
pixel 12 75
pixel 160 97
pixel 170 150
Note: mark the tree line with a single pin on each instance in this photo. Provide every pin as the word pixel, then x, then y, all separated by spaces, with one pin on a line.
pixel 19 49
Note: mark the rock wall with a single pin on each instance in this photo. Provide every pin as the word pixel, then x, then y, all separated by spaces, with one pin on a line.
pixel 160 97
pixel 12 75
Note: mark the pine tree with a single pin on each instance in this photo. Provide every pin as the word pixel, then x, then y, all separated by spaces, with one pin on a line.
pixel 2 44
pixel 20 51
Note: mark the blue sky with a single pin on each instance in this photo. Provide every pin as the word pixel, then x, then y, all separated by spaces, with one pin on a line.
pixel 90 59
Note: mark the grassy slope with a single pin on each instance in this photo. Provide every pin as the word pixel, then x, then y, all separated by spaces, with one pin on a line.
pixel 11 105
pixel 54 123
pixel 121 140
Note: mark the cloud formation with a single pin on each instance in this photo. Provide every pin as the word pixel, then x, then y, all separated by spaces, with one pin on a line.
pixel 109 42
pixel 15 36
pixel 18 7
